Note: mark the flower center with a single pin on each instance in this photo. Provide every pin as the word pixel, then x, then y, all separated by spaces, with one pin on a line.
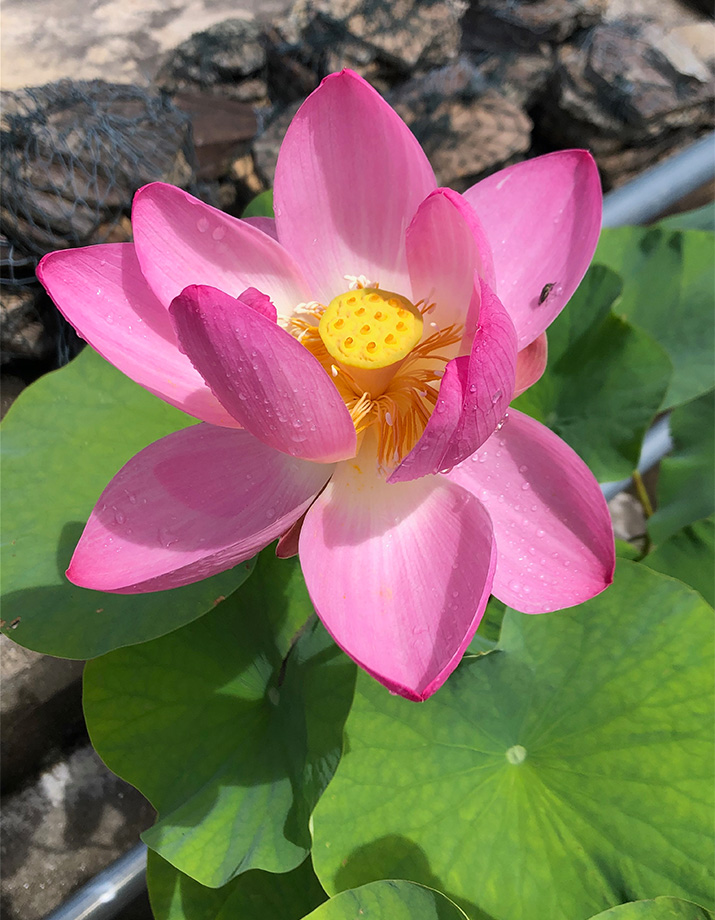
pixel 370 328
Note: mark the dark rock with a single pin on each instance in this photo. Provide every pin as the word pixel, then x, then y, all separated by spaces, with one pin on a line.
pixel 466 129
pixel 521 76
pixel 222 130
pixel 228 58
pixel 267 145
pixel 404 35
pixel 618 92
pixel 23 332
pixel 491 25
pixel 75 153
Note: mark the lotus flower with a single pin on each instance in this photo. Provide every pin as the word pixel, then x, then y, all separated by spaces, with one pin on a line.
pixel 352 363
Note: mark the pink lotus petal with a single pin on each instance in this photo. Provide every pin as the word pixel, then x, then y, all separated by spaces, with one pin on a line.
pixel 530 364
pixel 272 384
pixel 265 224
pixel 182 241
pixel 551 522
pixel 399 574
pixel 101 291
pixel 473 397
pixel 259 302
pixel 349 178
pixel 442 257
pixel 288 542
pixel 188 506
pixel 543 218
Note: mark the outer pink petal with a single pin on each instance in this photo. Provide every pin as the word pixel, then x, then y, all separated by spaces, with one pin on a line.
pixel 552 526
pixel 442 257
pixel 182 241
pixel 399 574
pixel 542 217
pixel 188 506
pixel 473 397
pixel 531 364
pixel 102 293
pixel 272 384
pixel 349 178
pixel 266 224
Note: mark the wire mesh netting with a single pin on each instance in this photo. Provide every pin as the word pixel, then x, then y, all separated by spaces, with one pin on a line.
pixel 73 154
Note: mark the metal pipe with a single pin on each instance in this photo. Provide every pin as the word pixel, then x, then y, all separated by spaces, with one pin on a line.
pixel 109 891
pixel 657 189
pixel 656 444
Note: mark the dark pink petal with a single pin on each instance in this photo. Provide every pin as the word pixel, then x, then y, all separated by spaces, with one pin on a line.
pixel 188 506
pixel 473 397
pixel 551 522
pixel 266 224
pixel 270 383
pixel 259 302
pixel 485 260
pixel 399 574
pixel 530 364
pixel 182 241
pixel 288 542
pixel 101 291
pixel 349 178
pixel 442 257
pixel 542 218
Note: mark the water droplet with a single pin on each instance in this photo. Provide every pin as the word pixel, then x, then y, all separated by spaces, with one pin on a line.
pixel 270 513
pixel 472 388
pixel 525 486
pixel 501 498
pixel 119 517
pixel 515 586
pixel 523 468
pixel 496 397
pixel 219 233
pixel 109 318
pixel 540 533
pixel 202 225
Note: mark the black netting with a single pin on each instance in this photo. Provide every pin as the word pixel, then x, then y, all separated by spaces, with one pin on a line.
pixel 73 154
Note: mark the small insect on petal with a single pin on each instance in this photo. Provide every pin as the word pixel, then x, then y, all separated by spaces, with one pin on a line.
pixel 545 291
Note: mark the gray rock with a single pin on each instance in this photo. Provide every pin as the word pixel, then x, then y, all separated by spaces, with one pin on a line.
pixel 466 129
pixel 521 76
pixel 266 147
pixel 75 153
pixel 630 100
pixel 228 58
pixel 61 829
pixel 404 34
pixel 491 25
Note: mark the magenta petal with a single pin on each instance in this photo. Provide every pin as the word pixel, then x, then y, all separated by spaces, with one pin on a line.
pixel 349 178
pixel 551 522
pixel 399 574
pixel 473 397
pixel 270 383
pixel 259 302
pixel 266 224
pixel 182 241
pixel 188 506
pixel 543 218
pixel 530 364
pixel 442 257
pixel 101 291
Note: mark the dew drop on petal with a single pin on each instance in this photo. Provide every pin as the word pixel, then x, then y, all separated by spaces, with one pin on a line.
pixel 219 233
pixel 496 397
pixel 202 225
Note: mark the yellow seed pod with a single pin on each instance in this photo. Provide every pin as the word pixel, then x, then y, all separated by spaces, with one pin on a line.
pixel 370 328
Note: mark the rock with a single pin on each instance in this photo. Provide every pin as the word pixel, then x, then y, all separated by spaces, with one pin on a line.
pixel 75 153
pixel 23 332
pixel 222 129
pixel 492 25
pixel 466 130
pixel 228 59
pixel 632 101
pixel 10 389
pixel 41 708
pixel 404 34
pixel 62 828
pixel 267 145
pixel 521 76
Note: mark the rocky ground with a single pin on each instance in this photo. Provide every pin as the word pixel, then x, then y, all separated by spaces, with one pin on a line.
pixel 630 79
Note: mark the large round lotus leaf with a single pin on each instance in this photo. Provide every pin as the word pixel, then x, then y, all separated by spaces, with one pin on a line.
pixel 668 291
pixel 255 895
pixel 567 771
pixel 231 726
pixel 62 441
pixel 604 380
pixel 388 900
pixel 657 909
pixel 689 555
